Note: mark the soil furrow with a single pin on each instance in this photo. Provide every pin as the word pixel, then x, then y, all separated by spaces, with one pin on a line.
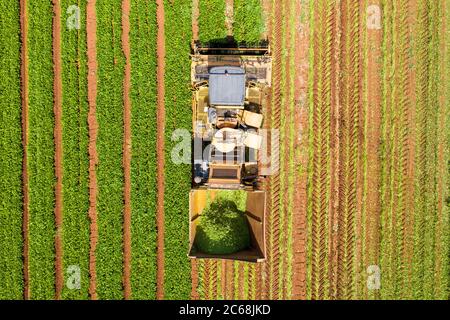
pixel 57 98
pixel 160 153
pixel 91 30
pixel 126 6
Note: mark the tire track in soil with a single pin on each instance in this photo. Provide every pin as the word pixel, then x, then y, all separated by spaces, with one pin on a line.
pixel 195 283
pixel 160 117
pixel 57 96
pixel 301 59
pixel 24 93
pixel 322 95
pixel 127 145
pixel 229 15
pixel 195 15
pixel 91 30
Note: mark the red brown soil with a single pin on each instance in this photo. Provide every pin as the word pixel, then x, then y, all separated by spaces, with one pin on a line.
pixel 24 93
pixel 91 29
pixel 160 121
pixel 301 39
pixel 230 279
pixel 223 279
pixel 195 14
pixel 126 6
pixel 206 279
pixel 57 96
pixel 229 16
pixel 194 276
pixel 373 140
pixel 240 273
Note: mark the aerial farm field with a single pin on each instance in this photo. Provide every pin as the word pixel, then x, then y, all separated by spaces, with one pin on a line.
pixel 93 207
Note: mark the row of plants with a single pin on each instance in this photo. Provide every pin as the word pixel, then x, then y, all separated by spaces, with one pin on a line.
pixel 248 22
pixel 178 33
pixel 211 22
pixel 143 162
pixel 75 162
pixel 110 176
pixel 40 163
pixel 11 274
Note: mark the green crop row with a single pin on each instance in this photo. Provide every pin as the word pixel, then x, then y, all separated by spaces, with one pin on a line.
pixel 110 177
pixel 211 21
pixel 143 163
pixel 248 22
pixel 177 284
pixel 40 148
pixel 75 161
pixel 11 275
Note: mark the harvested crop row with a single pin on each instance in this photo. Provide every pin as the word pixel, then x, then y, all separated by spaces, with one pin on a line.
pixel 75 228
pixel 211 22
pixel 143 162
pixel 178 33
pixel 319 168
pixel 110 177
pixel 248 22
pixel 300 142
pixel 11 274
pixel 41 151
pixel 348 149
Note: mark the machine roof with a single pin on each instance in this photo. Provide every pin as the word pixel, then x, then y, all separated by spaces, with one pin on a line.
pixel 227 86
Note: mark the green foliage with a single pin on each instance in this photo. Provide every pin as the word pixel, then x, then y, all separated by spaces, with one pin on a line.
pixel 110 178
pixel 75 145
pixel 41 151
pixel 143 162
pixel 11 275
pixel 177 284
pixel 223 229
pixel 211 21
pixel 248 21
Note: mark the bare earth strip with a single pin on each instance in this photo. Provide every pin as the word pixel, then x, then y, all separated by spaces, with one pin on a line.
pixel 373 140
pixel 195 14
pixel 57 92
pixel 24 91
pixel 301 158
pixel 126 5
pixel 160 118
pixel 229 15
pixel 91 30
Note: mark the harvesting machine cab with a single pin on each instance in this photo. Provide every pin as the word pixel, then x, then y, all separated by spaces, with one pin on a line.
pixel 229 91
pixel 230 88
